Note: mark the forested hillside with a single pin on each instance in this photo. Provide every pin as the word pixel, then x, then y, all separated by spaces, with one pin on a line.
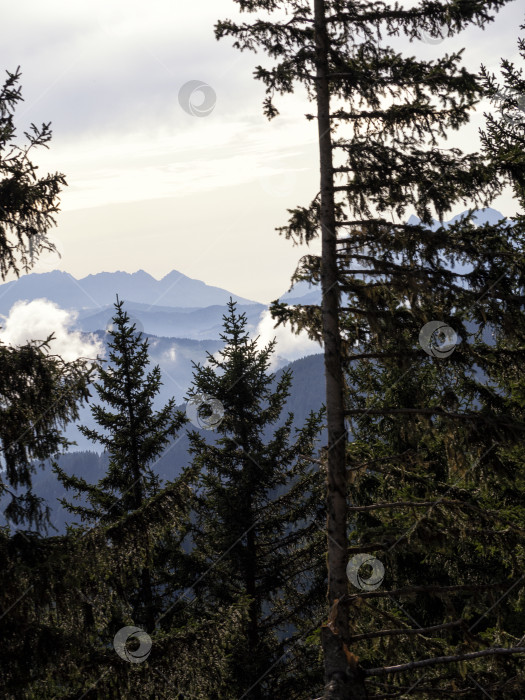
pixel 306 394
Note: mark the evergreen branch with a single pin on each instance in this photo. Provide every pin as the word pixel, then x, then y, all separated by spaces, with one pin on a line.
pixel 389 411
pixel 407 630
pixel 413 590
pixel 443 660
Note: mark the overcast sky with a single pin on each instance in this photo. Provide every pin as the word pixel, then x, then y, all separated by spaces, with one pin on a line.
pixel 153 187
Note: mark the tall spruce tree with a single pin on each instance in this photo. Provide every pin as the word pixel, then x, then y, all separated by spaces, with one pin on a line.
pixel 259 505
pixel 391 111
pixel 441 438
pixel 39 392
pixel 134 437
pixel 441 419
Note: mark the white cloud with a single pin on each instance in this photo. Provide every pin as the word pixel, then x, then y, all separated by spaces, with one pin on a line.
pixel 37 319
pixel 289 346
pixel 170 355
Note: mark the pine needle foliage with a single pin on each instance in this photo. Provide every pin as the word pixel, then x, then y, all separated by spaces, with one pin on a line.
pixel 259 517
pixel 422 426
pixel 39 392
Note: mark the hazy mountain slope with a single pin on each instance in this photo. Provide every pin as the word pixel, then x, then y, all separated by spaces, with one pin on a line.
pixel 194 323
pixel 307 394
pixel 303 293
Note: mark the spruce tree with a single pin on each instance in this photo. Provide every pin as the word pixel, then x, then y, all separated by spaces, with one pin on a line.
pixel 258 518
pixel 39 392
pixel 382 280
pixel 441 438
pixel 134 437
pixel 28 203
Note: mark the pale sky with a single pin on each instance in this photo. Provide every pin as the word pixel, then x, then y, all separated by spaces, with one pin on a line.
pixel 152 187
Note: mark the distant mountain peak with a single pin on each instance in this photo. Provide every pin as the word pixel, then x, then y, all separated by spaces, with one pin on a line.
pixel 119 274
pixel 174 274
pixel 303 293
pixel 481 216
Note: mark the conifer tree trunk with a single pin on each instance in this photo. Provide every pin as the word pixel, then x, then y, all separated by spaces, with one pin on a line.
pixel 251 564
pixel 145 595
pixel 339 681
pixel 253 621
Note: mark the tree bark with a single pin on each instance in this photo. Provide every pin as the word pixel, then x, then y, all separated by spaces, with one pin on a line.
pixel 342 677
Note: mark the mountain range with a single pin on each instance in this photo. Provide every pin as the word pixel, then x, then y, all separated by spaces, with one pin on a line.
pixel 98 290
pixel 174 306
pixel 182 320
pixel 181 317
